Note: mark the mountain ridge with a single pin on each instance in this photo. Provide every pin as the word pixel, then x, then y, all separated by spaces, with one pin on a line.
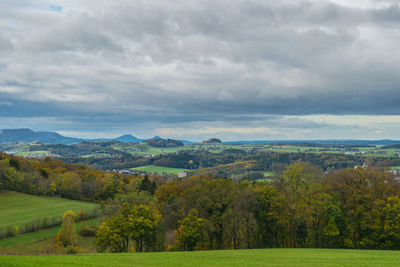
pixel 46 137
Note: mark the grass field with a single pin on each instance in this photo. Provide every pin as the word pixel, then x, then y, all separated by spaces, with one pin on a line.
pixel 268 174
pixel 38 235
pixel 24 153
pixel 96 155
pixel 17 209
pixel 231 258
pixel 48 246
pixel 159 169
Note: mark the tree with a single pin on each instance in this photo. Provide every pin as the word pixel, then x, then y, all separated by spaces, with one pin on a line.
pixel 147 185
pixel 142 221
pixel 267 215
pixel 190 230
pixel 112 235
pixel 321 212
pixel 137 223
pixel 66 237
pixel 392 223
pixel 53 189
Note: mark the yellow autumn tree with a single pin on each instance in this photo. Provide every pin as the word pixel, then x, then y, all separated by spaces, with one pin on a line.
pixel 67 237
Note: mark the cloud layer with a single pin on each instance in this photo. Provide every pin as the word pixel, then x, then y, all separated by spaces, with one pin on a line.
pixel 255 67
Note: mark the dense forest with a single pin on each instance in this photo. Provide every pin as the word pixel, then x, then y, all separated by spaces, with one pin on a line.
pixel 351 208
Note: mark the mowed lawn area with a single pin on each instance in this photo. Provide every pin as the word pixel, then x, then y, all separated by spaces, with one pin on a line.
pixel 159 169
pixel 231 258
pixel 16 209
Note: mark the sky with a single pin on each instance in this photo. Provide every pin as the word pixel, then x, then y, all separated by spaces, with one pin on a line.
pixel 236 70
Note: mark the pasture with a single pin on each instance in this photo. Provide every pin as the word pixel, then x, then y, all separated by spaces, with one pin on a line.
pixel 17 209
pixel 232 258
pixel 159 169
pixel 8 244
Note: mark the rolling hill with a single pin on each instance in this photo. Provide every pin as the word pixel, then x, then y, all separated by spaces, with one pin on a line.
pixel 27 135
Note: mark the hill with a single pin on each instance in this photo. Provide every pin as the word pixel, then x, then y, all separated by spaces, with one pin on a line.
pixel 127 138
pixel 254 257
pixel 212 141
pixel 27 135
pixel 164 142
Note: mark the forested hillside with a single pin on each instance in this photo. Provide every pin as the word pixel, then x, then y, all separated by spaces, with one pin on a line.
pixel 54 177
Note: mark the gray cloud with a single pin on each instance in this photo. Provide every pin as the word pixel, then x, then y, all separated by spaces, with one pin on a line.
pixel 155 62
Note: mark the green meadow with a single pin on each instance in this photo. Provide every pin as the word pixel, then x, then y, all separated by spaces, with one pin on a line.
pixel 16 209
pixel 159 169
pixel 27 238
pixel 231 258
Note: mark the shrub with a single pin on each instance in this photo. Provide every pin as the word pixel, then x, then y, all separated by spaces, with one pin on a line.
pixel 10 231
pixel 71 250
pixel 88 230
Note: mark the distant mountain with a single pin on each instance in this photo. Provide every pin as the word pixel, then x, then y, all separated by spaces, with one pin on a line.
pixel 186 142
pixel 127 138
pixel 27 135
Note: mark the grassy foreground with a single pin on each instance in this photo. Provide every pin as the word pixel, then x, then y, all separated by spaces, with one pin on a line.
pixel 18 208
pixel 232 258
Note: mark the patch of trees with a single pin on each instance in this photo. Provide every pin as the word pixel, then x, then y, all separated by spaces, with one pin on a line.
pixel 351 208
pixel 212 141
pixel 395 146
pixel 83 148
pixel 164 142
pixel 53 177
pixel 135 223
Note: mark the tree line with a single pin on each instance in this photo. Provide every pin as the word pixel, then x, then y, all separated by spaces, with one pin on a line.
pixel 54 177
pixel 304 207
pixel 264 160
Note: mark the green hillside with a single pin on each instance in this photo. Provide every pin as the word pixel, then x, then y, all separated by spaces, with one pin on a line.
pixel 26 240
pixel 16 209
pixel 232 258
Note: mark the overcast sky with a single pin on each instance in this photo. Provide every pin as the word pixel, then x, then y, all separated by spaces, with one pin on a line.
pixel 237 70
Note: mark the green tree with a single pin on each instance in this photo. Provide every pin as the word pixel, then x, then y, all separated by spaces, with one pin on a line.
pixel 113 235
pixel 267 215
pixel 392 223
pixel 190 230
pixel 137 223
pixel 147 185
pixel 142 222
